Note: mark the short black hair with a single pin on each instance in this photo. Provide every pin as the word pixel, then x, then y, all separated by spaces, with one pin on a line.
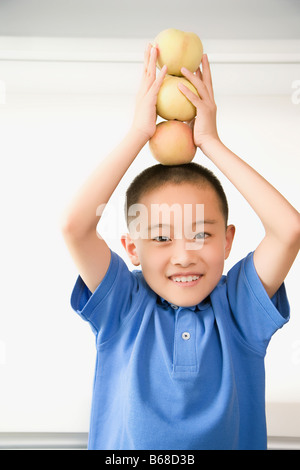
pixel 160 175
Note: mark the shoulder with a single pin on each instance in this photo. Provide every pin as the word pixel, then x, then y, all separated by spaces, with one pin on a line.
pixel 119 293
pixel 254 314
pixel 245 286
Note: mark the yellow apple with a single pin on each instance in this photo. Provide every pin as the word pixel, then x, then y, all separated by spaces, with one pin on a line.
pixel 173 143
pixel 178 49
pixel 171 103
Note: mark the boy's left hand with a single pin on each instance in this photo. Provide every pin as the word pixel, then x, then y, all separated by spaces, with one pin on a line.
pixel 277 251
pixel 205 125
pixel 144 121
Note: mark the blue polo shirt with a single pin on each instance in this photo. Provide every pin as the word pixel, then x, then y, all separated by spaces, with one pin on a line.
pixel 171 377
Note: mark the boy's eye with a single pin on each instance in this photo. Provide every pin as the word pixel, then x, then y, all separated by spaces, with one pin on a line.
pixel 161 239
pixel 201 235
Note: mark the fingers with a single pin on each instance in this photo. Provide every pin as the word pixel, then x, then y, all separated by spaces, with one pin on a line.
pixel 197 82
pixel 202 81
pixel 151 72
pixel 150 58
pixel 206 72
pixel 199 73
pixel 147 55
pixel 160 78
pixel 194 99
pixel 150 79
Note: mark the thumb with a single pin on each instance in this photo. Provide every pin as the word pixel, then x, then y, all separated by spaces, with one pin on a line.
pixel 158 81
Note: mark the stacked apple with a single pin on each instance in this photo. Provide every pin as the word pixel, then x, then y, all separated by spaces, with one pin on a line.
pixel 172 143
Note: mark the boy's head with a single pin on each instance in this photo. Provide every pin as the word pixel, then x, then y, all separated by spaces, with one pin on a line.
pixel 178 233
pixel 159 175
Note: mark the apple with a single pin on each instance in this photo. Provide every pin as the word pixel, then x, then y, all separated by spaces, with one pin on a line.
pixel 178 49
pixel 173 143
pixel 171 103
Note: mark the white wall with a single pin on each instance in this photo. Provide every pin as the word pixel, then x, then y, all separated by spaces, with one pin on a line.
pixel 64 108
pixel 218 19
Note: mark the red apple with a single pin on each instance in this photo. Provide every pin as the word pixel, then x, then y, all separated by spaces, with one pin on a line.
pixel 173 143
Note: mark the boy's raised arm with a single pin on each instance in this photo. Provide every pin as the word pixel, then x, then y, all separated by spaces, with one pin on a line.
pixel 79 222
pixel 277 251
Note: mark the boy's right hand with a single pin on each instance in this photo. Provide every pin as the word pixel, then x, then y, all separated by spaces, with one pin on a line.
pixel 144 120
pixel 89 251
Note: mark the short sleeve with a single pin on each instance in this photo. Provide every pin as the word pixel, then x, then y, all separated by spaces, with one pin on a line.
pixel 256 316
pixel 108 306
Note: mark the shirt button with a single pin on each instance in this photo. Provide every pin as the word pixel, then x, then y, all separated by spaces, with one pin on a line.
pixel 175 307
pixel 186 335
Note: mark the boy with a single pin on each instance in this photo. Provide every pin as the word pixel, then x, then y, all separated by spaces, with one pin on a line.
pixel 180 347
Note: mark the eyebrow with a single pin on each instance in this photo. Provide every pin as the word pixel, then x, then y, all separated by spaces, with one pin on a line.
pixel 205 221
pixel 198 222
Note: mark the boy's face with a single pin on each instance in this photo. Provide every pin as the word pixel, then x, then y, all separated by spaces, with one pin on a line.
pixel 180 240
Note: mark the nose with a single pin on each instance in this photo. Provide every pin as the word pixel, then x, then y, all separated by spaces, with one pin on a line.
pixel 183 254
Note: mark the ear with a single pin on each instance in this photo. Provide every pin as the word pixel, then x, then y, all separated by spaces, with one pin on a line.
pixel 230 232
pixel 130 248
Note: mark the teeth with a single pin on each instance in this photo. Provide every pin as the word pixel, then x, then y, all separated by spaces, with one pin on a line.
pixel 185 278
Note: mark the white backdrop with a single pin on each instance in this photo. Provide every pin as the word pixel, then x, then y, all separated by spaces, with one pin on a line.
pixel 62 109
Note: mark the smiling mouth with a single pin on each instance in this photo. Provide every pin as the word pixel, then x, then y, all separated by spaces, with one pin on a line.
pixel 188 280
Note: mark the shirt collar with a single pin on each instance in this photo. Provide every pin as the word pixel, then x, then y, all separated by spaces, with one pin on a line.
pixel 201 306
